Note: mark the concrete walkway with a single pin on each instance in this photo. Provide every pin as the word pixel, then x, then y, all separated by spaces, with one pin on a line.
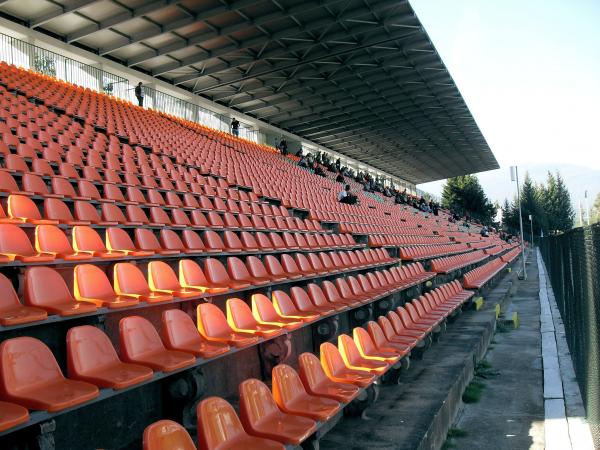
pixel 510 413
pixel 566 428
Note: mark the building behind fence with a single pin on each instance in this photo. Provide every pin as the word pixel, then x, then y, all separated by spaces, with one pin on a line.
pixel 573 263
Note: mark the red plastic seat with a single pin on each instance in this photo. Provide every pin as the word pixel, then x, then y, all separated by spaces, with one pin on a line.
pixel 44 288
pixel 129 281
pixel 12 312
pixel 15 245
pixel 162 279
pixel 213 326
pixel 354 360
pixel 91 357
pixel 302 302
pixel 141 344
pixel 31 377
pixel 317 297
pixel 167 435
pixel 261 416
pixel 49 239
pixel 91 285
pixel 219 428
pixel 12 415
pixel 291 396
pixel 315 381
pixel 238 271
pixel 380 351
pixel 180 333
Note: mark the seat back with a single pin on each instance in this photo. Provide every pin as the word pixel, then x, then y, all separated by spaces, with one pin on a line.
pixel 22 207
pixel 178 329
pixel 9 299
pixel 331 359
pixel 129 280
pixel 162 277
pixel 287 385
pixel 88 348
pixel 90 281
pixel 263 310
pixel 256 403
pixel 87 239
pixel 211 321
pixel 191 274
pixel 217 424
pixel 310 371
pixel 167 435
pixel 215 271
pixel 56 209
pixel 14 241
pixel 51 239
pixel 118 239
pixel 138 337
pixel 44 286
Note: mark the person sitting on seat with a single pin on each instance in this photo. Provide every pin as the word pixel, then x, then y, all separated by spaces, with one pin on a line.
pixel 347 197
pixel 339 178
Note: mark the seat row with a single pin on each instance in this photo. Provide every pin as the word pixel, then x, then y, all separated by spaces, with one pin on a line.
pixel 52 244
pixel 46 292
pixel 379 240
pixel 451 263
pixel 118 210
pixel 478 277
pixel 430 251
pixel 511 255
pixel 317 392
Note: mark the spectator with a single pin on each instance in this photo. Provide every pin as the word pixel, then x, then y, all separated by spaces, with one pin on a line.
pixel 139 94
pixel 340 178
pixel 304 162
pixel 319 171
pixel 485 232
pixel 235 127
pixel 347 197
pixel 283 147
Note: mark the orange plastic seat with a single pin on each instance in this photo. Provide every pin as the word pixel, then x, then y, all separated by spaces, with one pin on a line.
pixel 12 312
pixel 261 416
pixel 49 239
pixel 315 381
pixel 146 240
pixel 117 240
pixel 353 358
pixel 265 314
pixel 12 415
pixel 217 275
pixel 257 269
pixel 87 240
pixel 302 302
pixel 44 288
pixel 162 278
pixel 31 377
pixel 219 428
pixel 141 344
pixel 129 281
pixel 336 370
pixel 191 276
pixel 15 245
pixel 240 318
pixel 370 351
pixel 57 210
pixel 317 296
pixel 91 285
pixel 91 357
pixel 34 183
pixel 239 272
pixel 180 333
pixel 25 210
pixel 286 308
pixel 170 240
pixel 213 326
pixel 291 396
pixel 167 435
pixel 193 242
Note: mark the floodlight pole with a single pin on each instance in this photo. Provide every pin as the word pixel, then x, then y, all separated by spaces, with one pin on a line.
pixel 514 173
pixel 531 223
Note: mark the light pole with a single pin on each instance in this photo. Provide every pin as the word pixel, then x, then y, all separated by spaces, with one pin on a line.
pixel 514 176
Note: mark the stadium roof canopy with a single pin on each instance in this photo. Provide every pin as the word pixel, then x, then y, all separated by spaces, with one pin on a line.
pixel 358 76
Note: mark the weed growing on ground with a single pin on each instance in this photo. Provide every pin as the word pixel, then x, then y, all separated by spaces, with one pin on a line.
pixel 473 392
pixel 453 433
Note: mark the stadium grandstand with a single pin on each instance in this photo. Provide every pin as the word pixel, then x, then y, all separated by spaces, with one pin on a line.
pixel 172 282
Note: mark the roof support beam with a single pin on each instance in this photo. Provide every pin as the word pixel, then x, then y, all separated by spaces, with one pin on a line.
pixel 63 9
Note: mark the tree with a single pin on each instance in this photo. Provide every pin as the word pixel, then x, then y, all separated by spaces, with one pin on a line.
pixel 465 196
pixel 596 209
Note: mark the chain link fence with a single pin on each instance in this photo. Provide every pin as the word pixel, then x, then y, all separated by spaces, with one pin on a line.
pixel 573 263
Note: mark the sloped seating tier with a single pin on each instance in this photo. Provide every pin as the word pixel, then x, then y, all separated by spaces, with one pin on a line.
pixel 413 253
pixel 399 241
pixel 452 263
pixel 511 255
pixel 46 293
pixel 480 276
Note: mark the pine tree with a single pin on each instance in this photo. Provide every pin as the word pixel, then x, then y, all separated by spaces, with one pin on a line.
pixel 465 196
pixel 596 210
pixel 563 208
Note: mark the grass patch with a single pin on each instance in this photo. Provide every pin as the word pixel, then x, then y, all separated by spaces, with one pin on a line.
pixel 453 433
pixel 473 392
pixel 484 364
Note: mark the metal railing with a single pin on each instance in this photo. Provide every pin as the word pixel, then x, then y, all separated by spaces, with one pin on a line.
pixel 573 263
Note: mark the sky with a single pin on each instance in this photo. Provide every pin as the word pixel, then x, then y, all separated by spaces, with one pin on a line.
pixel 529 71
